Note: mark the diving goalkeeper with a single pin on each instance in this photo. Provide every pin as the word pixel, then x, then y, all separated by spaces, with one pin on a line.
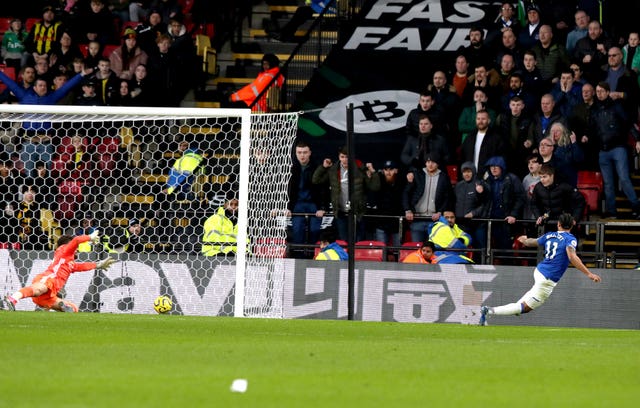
pixel 45 286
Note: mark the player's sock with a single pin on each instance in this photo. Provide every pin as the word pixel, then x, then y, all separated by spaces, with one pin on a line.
pixel 507 310
pixel 23 293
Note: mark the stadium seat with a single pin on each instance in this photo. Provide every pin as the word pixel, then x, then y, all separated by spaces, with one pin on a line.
pixel 590 180
pixel 69 198
pixel 108 49
pixel 8 71
pixel 270 248
pixel 411 247
pixel 452 171
pixel 591 185
pixel 370 251
pixel 31 21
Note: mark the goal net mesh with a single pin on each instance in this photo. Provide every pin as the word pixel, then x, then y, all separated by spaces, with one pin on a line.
pixel 149 180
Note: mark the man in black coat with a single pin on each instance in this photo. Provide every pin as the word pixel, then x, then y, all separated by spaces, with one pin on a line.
pixel 489 142
pixel 551 199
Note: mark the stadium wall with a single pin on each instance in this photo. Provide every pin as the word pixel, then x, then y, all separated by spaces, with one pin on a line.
pixel 318 290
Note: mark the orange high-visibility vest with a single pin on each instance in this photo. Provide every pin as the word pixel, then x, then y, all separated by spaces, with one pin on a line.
pixel 250 92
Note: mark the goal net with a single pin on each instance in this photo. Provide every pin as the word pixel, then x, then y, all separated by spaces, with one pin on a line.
pixel 160 185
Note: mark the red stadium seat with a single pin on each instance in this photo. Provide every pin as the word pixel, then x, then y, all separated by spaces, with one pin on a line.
pixel 108 49
pixel 590 180
pixel 270 248
pixel 69 198
pixel 411 247
pixel 8 71
pixel 370 251
pixel 452 171
pixel 31 21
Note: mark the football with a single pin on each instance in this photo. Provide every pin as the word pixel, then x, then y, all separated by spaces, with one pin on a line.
pixel 162 304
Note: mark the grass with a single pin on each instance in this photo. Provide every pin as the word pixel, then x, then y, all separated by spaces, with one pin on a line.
pixel 102 360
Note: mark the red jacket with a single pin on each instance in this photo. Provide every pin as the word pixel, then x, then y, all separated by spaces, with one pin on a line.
pixel 249 92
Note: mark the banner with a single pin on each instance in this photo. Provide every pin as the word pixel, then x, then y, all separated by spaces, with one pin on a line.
pixel 384 60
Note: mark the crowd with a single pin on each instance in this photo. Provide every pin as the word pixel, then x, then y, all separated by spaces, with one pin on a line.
pixel 130 53
pixel 525 107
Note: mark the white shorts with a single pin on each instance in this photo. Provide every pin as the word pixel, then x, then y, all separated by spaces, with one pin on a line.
pixel 539 292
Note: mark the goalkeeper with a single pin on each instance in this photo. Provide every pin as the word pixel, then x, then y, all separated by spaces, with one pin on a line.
pixel 45 286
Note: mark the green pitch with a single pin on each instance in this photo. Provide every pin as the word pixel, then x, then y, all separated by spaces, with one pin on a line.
pixel 96 360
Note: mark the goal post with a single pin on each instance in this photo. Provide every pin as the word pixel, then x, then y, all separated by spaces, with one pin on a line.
pixel 107 167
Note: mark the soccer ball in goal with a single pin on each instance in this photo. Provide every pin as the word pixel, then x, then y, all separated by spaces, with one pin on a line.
pixel 162 304
pixel 149 179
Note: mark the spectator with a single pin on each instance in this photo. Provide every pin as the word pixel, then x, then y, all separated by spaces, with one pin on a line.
pixel 509 45
pixel 42 69
pixel 119 9
pixel 482 144
pixel 89 97
pixel 149 32
pixel 467 120
pixel 107 82
pixel 97 23
pixel 424 255
pixel 476 53
pixel 472 196
pixel 507 201
pixel 221 230
pixel 530 32
pixel 447 235
pixel 388 202
pixel 64 53
pixel 426 142
pixel 45 185
pixel 514 127
pixel 141 92
pixel 531 74
pixel 486 79
pixel 124 94
pixel 446 97
pixel 631 56
pixel 94 55
pixel 507 66
pixel 32 237
pixel 126 58
pixel 610 127
pixel 591 51
pixel 516 89
pixel 14 51
pixel 622 82
pixel 551 199
pixel 329 248
pixel 335 176
pixel 249 93
pixel 164 81
pixel 305 197
pixel 183 52
pixel 138 10
pixel 86 227
pixel 534 164
pixel 567 153
pixel 576 68
pixel 44 35
pixel 552 56
pixel 182 173
pixel 427 194
pixel 10 182
pixel 566 93
pixel 124 239
pixel 426 106
pixel 579 121
pixel 542 120
pixel 460 77
pixel 59 79
pixel 36 139
pixel 506 21
pixel 580 31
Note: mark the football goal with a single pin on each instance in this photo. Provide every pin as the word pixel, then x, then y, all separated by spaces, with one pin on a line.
pixel 159 183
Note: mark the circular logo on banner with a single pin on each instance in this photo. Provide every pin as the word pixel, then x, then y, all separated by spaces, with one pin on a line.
pixel 373 112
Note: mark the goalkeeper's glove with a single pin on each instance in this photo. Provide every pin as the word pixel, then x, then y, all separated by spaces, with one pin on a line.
pixel 105 264
pixel 95 236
